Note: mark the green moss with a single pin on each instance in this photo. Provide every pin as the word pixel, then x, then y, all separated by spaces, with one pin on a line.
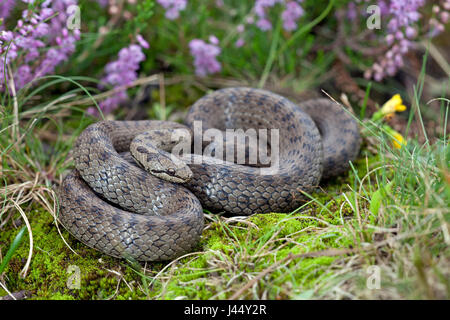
pixel 49 269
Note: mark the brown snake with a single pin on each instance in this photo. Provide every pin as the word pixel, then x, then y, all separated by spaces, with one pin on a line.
pixel 159 220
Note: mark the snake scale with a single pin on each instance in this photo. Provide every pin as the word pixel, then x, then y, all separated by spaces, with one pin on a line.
pixel 110 203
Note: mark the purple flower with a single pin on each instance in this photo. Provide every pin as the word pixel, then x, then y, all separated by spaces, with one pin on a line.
pixel 37 46
pixel 121 72
pixel 109 104
pixel 384 7
pixel 173 7
pixel 291 14
pixel 142 42
pixel 264 24
pixel 102 3
pixel 213 39
pixel 402 15
pixel 239 43
pixel 23 76
pixel 5 8
pixel 205 57
pixel 260 10
pixel 352 11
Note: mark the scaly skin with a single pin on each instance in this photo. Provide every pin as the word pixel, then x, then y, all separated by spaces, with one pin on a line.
pixel 160 220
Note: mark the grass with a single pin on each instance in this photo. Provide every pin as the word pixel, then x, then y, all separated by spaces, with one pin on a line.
pixel 387 219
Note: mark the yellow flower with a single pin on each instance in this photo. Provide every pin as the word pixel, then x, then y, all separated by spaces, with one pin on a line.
pixel 398 141
pixel 389 116
pixel 394 104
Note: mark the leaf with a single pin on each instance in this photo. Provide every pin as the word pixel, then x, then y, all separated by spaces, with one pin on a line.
pixel 15 244
pixel 378 196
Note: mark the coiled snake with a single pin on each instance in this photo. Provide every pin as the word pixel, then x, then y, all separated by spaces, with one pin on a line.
pixel 112 204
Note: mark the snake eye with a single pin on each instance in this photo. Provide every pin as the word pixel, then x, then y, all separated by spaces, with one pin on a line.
pixel 171 171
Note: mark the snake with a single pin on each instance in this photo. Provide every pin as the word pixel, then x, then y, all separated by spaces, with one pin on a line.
pixel 149 206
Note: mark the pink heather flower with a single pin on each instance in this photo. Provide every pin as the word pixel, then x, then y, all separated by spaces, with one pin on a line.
pixel 445 17
pixel 352 11
pixel 102 3
pixel 410 32
pixel 204 54
pixel 123 71
pixel 37 46
pixel 23 75
pixel 384 7
pixel 5 8
pixel 291 14
pixel 239 43
pixel 264 24
pixel 260 10
pixel 402 15
pixel 142 42
pixel 120 72
pixel 173 7
pixel 109 104
pixel 213 40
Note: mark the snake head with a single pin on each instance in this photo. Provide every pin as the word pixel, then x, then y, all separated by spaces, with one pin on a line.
pixel 170 168
pixel 161 164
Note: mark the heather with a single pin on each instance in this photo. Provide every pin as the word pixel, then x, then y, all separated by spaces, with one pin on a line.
pixel 67 63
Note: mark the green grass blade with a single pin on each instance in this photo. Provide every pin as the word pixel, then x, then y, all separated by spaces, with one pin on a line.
pixel 15 244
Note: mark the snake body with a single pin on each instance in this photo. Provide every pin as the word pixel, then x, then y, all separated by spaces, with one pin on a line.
pixel 159 220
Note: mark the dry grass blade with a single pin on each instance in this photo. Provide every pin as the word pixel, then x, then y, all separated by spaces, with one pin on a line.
pixel 53 211
pixel 24 271
pixel 7 291
pixel 15 130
